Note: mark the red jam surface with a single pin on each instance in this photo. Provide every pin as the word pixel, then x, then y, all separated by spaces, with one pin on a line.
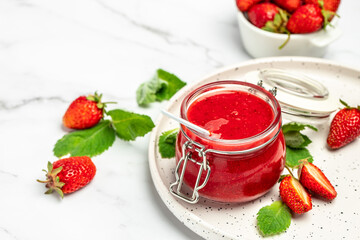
pixel 231 114
pixel 234 115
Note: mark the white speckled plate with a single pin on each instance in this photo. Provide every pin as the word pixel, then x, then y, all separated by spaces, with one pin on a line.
pixel 337 219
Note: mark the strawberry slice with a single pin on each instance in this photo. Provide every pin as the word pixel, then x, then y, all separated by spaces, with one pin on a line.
pixel 295 195
pixel 312 178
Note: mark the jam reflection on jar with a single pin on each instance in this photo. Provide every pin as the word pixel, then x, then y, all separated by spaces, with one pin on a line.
pixel 246 149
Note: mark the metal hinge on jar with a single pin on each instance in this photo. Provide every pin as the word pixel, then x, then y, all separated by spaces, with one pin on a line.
pixel 203 166
pixel 273 91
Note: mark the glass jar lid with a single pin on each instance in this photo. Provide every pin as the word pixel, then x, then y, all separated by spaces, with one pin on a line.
pixel 297 94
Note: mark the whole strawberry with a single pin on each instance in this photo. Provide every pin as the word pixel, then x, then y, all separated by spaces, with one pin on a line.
pixel 306 19
pixel 294 195
pixel 329 5
pixel 313 179
pixel 345 127
pixel 69 174
pixel 288 5
pixel 329 8
pixel 84 112
pixel 244 5
pixel 261 13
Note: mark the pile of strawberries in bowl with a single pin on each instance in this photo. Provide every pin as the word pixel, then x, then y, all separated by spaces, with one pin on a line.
pixel 290 20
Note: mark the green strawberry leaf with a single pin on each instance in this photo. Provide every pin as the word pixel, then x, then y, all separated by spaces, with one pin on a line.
pixel 146 93
pixel 295 126
pixel 305 143
pixel 273 219
pixel 293 156
pixel 284 16
pixel 295 139
pixel 170 84
pixel 269 26
pixel 89 142
pixel 161 87
pixel 278 24
pixel 167 142
pixel 277 20
pixel 128 125
pixel 282 177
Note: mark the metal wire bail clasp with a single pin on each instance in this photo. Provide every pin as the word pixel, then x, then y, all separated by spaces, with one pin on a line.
pixel 273 91
pixel 203 166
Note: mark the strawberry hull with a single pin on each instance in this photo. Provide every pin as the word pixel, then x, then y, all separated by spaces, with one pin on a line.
pixel 83 113
pixel 68 175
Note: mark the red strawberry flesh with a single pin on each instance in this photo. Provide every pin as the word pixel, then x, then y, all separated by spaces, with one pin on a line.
pixel 312 178
pixel 295 195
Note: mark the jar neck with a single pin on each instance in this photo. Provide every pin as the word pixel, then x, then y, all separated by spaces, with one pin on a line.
pixel 248 144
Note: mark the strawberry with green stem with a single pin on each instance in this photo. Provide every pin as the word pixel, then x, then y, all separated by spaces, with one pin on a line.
pixel 259 14
pixel 68 175
pixel 328 9
pixel 269 17
pixel 345 126
pixel 84 112
pixel 306 19
pixel 294 195
pixel 328 5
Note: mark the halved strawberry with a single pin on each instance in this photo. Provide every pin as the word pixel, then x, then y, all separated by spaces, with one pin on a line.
pixel 295 195
pixel 312 178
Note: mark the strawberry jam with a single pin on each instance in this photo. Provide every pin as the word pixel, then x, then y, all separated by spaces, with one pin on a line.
pixel 245 150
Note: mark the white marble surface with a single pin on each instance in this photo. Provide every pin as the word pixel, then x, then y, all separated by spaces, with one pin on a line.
pixel 53 51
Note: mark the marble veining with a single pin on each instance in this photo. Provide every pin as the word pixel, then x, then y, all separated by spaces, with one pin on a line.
pixel 12 106
pixel 7 233
pixel 54 51
pixel 168 37
pixel 8 174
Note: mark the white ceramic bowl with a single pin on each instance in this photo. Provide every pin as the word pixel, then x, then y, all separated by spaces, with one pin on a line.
pixel 260 43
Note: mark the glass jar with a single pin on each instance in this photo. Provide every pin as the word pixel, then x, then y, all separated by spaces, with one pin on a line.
pixel 228 170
